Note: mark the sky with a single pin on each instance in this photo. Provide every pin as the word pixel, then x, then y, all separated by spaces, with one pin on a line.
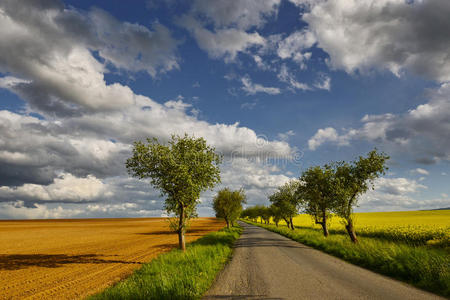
pixel 276 86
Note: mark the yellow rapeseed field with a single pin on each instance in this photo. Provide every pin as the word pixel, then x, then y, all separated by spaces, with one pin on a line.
pixel 418 227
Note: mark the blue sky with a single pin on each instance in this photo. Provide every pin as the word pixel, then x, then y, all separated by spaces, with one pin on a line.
pixel 276 86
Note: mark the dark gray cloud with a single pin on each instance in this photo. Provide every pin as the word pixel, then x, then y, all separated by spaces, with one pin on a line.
pixel 422 132
pixel 40 99
pixel 384 34
pixel 13 175
pixel 243 14
pixel 43 149
pixel 56 29
pixel 47 51
pixel 425 160
pixel 134 47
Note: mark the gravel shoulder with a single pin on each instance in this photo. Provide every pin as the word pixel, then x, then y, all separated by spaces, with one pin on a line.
pixel 266 265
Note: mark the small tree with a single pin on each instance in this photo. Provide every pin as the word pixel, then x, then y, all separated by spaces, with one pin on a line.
pixel 276 214
pixel 245 214
pixel 228 205
pixel 317 189
pixel 266 214
pixel 287 201
pixel 259 211
pixel 353 180
pixel 250 213
pixel 253 213
pixel 181 170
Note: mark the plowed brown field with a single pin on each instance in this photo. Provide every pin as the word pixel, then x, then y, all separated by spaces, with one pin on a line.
pixel 70 259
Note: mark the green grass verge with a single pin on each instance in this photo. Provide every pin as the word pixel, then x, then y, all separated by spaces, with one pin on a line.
pixel 425 267
pixel 178 275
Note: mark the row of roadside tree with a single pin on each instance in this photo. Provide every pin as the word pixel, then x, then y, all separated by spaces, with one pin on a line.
pixel 322 192
pixel 184 167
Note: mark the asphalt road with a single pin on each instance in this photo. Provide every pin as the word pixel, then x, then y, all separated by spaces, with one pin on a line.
pixel 266 265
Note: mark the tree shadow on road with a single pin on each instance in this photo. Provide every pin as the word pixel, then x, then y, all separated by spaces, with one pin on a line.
pixel 267 242
pixel 22 261
pixel 247 297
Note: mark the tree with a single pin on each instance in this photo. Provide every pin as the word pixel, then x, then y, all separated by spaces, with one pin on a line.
pixel 228 204
pixel 317 189
pixel 259 211
pixel 181 170
pixel 276 214
pixel 250 213
pixel 287 201
pixel 266 214
pixel 354 179
pixel 245 214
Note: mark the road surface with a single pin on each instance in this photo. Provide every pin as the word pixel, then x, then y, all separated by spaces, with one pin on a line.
pixel 266 265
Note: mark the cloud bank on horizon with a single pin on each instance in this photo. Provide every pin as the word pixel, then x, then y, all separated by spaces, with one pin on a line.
pixel 274 85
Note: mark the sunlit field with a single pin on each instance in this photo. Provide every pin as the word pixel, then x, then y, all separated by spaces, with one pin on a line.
pixel 430 227
pixel 70 259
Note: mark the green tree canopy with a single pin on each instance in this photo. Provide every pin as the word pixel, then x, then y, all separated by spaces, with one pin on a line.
pixel 259 211
pixel 250 213
pixel 317 189
pixel 353 180
pixel 228 204
pixel 181 170
pixel 277 215
pixel 287 200
pixel 266 214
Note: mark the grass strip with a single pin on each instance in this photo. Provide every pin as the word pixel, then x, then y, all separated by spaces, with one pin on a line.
pixel 178 275
pixel 425 267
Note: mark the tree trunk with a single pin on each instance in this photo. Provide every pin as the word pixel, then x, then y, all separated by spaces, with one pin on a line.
pixel 228 223
pixel 323 223
pixel 276 224
pixel 181 240
pixel 351 231
pixel 325 229
pixel 292 223
pixel 287 222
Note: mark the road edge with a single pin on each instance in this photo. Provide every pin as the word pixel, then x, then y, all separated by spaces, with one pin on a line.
pixel 441 293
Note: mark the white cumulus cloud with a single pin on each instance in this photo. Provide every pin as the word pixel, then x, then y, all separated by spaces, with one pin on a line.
pixel 253 88
pixel 396 35
pixel 64 188
pixel 420 171
pixel 224 43
pixel 423 132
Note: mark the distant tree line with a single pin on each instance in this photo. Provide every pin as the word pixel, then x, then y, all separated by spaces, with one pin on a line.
pixel 323 191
